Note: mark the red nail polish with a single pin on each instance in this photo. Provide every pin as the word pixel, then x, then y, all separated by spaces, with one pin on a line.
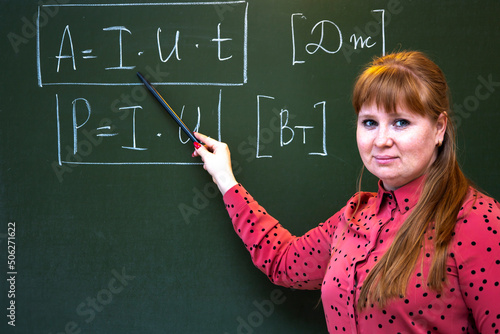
pixel 196 145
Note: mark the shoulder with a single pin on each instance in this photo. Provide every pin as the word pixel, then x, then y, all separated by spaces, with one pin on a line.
pixel 479 209
pixel 475 249
pixel 478 224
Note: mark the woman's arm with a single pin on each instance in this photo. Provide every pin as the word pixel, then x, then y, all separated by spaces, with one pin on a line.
pixel 216 161
pixel 287 260
pixel 475 248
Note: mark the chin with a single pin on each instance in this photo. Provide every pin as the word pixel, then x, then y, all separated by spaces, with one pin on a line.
pixel 383 173
pixel 389 182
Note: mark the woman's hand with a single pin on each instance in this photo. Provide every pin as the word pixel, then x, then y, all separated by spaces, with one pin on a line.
pixel 216 161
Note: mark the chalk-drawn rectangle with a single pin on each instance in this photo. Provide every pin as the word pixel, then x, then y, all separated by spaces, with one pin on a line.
pixel 191 43
pixel 93 129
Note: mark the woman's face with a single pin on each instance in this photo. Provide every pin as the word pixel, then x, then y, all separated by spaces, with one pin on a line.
pixel 397 147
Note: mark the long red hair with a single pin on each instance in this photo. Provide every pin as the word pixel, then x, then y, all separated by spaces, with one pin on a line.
pixel 413 81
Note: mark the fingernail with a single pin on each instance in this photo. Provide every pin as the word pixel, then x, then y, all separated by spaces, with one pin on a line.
pixel 196 145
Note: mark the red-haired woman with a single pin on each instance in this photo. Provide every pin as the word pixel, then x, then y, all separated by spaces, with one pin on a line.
pixel 422 255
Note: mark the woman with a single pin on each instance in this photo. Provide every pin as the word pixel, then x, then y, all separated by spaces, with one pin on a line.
pixel 419 256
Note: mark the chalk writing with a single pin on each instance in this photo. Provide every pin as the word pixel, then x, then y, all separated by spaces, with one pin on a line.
pixel 120 39
pixel 327 37
pixel 89 133
pixel 134 144
pixel 288 132
pixel 108 52
pixel 167 40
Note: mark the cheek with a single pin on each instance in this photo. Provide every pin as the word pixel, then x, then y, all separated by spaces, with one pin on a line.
pixel 419 151
pixel 363 142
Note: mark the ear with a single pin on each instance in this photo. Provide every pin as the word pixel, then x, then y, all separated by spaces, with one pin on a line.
pixel 441 123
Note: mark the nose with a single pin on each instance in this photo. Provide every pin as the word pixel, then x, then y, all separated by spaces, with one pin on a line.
pixel 384 137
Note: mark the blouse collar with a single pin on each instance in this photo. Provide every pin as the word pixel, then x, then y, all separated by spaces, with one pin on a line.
pixel 406 197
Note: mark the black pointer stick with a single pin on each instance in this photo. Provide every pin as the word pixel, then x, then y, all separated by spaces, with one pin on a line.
pixel 168 108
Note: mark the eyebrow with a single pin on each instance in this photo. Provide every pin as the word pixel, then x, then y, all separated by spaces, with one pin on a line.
pixel 394 114
pixel 366 114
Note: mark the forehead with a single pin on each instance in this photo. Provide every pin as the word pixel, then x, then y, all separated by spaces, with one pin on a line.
pixel 374 110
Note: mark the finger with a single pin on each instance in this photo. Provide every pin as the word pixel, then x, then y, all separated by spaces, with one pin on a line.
pixel 202 152
pixel 201 137
pixel 210 143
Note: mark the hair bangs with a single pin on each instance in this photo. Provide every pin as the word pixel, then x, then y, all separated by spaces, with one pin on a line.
pixel 389 86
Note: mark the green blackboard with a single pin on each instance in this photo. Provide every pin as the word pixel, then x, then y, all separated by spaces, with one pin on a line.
pixel 107 223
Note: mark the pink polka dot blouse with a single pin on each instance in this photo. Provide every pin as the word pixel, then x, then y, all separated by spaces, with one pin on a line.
pixel 337 255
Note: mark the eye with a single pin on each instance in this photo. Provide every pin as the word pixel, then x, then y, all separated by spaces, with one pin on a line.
pixel 369 123
pixel 401 123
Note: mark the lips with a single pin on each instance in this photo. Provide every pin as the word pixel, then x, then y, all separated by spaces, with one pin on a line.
pixel 384 159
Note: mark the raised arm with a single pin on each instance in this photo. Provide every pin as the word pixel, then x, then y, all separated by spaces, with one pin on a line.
pixel 216 161
pixel 287 260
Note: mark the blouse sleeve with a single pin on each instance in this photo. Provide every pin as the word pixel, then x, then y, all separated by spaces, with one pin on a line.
pixel 287 260
pixel 476 250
